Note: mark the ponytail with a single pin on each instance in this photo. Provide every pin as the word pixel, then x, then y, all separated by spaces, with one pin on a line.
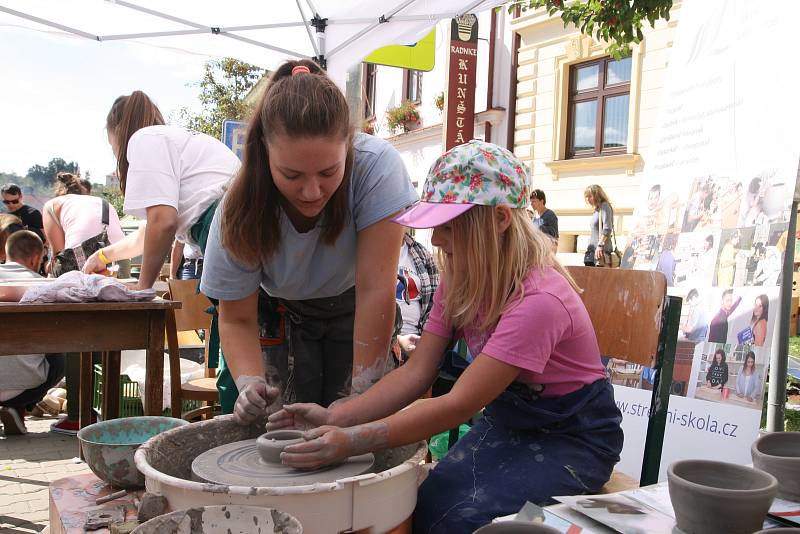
pixel 128 114
pixel 70 184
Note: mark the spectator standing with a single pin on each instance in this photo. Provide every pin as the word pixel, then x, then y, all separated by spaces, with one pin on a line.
pixel 547 221
pixel 72 218
pixel 417 280
pixel 73 221
pixel 601 227
pixel 31 217
pixel 24 379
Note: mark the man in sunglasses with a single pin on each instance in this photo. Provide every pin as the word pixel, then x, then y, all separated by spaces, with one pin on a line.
pixel 30 216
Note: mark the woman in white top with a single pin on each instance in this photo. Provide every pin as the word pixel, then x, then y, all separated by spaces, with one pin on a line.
pixel 170 176
pixel 74 216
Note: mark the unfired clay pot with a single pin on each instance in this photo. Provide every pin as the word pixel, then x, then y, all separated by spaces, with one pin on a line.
pixel 271 445
pixel 778 454
pixel 516 527
pixel 718 497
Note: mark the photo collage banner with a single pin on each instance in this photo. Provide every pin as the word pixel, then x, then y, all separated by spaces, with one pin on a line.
pixel 713 216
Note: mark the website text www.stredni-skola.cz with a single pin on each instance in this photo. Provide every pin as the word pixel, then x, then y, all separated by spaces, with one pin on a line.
pixel 705 423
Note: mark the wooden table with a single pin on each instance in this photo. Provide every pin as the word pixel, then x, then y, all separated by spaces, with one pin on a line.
pixel 108 327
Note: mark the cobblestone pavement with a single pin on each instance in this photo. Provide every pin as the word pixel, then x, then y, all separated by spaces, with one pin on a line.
pixel 27 466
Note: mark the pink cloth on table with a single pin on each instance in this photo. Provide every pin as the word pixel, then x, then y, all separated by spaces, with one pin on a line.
pixel 76 286
pixel 548 335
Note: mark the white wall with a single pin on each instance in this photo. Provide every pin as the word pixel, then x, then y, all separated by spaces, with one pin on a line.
pixel 421 147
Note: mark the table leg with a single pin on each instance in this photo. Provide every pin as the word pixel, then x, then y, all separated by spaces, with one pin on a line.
pixel 86 389
pixel 154 377
pixel 111 363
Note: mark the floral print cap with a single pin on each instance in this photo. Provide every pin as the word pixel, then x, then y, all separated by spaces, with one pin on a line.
pixel 476 173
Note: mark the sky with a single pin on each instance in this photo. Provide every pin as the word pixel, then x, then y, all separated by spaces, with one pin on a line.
pixel 55 94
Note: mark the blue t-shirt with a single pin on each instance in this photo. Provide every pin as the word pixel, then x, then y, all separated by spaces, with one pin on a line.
pixel 304 266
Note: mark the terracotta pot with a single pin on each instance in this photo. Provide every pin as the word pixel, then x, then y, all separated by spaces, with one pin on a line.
pixel 718 497
pixel 516 527
pixel 778 454
pixel 271 445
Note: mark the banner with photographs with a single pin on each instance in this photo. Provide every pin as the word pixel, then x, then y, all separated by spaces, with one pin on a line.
pixel 713 217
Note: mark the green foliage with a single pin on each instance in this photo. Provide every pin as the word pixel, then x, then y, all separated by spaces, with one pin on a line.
pixel 402 116
pixel 439 102
pixel 112 194
pixel 43 176
pixel 223 89
pixel 617 22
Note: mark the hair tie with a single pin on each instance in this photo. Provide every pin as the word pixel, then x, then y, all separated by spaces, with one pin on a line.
pixel 300 68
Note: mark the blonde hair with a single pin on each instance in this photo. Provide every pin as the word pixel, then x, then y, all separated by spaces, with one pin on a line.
pixel 487 270
pixel 597 194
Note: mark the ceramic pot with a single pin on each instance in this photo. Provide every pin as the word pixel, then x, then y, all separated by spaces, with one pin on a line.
pixel 778 454
pixel 718 497
pixel 271 445
pixel 516 527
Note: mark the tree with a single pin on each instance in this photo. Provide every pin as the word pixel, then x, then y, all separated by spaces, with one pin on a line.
pixel 617 22
pixel 44 176
pixel 112 194
pixel 224 86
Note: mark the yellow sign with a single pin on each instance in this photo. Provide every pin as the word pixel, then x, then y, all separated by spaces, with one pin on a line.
pixel 419 56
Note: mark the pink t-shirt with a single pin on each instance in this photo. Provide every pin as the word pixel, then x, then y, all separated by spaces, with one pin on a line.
pixel 81 218
pixel 548 335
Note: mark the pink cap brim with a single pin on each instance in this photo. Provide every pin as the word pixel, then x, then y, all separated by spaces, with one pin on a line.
pixel 430 214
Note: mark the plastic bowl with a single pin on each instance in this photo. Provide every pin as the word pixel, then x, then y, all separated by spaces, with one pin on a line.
pixel 108 446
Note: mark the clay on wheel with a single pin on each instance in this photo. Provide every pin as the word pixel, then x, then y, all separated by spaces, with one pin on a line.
pixel 239 464
pixel 271 445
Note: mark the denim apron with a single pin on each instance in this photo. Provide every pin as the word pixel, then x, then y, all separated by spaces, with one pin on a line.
pixel 307 348
pixel 524 448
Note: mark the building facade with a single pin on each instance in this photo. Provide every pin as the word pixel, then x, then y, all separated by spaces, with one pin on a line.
pixel 583 118
pixel 382 88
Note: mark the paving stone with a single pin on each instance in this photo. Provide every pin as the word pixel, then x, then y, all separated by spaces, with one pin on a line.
pixel 27 466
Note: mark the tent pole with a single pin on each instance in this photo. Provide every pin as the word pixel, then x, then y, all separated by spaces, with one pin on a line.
pixel 320 24
pixel 45 22
pixel 779 360
pixel 308 28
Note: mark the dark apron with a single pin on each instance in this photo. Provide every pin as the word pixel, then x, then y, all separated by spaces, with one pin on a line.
pixel 524 448
pixel 307 347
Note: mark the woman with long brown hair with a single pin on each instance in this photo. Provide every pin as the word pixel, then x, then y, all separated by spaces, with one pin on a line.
pixel 170 176
pixel 549 410
pixel 601 229
pixel 308 220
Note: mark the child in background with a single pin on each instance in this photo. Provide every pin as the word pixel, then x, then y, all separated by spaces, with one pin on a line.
pixel 550 424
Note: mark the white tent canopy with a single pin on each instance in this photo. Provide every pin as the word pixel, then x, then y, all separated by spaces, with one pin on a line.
pixel 263 33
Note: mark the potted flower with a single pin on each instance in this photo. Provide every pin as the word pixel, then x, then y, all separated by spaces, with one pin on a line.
pixel 405 115
pixel 439 101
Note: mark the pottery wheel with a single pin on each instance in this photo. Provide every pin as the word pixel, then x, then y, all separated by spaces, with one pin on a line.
pixel 239 464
